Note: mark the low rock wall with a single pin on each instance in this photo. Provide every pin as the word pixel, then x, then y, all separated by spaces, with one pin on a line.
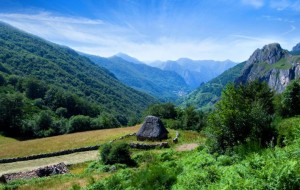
pixel 60 168
pixel 52 154
pixel 149 146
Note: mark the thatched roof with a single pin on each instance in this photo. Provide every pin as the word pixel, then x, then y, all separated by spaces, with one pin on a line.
pixel 152 129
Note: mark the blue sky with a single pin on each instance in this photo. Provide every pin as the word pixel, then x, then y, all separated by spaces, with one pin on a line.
pixel 160 29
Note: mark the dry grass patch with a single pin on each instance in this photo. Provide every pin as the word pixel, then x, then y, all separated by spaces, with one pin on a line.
pixel 14 148
pixel 6 140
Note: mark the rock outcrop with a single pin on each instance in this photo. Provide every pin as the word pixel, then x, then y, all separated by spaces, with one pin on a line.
pixel 152 129
pixel 273 65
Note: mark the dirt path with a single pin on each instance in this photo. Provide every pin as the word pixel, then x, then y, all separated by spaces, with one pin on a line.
pixel 74 158
pixel 187 147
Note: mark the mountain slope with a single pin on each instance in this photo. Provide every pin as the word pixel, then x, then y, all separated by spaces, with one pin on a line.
pixel 27 55
pixel 165 85
pixel 195 72
pixel 209 93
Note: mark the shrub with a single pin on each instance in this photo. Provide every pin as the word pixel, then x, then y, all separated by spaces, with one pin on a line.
pixel 288 130
pixel 116 153
pixel 154 176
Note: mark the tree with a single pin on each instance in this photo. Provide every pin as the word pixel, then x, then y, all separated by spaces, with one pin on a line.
pixel 35 89
pixel 79 123
pixel 192 119
pixel 2 80
pixel 44 124
pixel 244 113
pixel 11 111
pixel 164 111
pixel 290 104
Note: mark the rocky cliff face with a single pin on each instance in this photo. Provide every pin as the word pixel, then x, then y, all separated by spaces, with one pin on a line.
pixel 273 65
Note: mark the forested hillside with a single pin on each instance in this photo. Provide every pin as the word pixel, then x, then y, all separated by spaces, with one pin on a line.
pixel 209 93
pixel 165 85
pixel 41 76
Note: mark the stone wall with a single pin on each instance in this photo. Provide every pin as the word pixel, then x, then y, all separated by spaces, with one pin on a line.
pixel 52 154
pixel 148 146
pixel 60 168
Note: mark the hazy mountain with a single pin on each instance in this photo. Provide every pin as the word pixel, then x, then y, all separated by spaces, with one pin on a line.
pixel 24 54
pixel 128 58
pixel 165 85
pixel 296 49
pixel 195 72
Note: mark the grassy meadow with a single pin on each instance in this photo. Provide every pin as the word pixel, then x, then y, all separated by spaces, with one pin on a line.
pixel 13 148
pixel 81 174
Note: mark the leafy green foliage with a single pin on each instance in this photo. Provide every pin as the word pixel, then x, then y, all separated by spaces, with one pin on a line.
pixel 243 114
pixel 165 110
pixel 10 113
pixel 30 108
pixel 2 80
pixel 79 123
pixel 116 153
pixel 154 177
pixel 291 100
pixel 176 118
pixel 288 129
pixel 34 89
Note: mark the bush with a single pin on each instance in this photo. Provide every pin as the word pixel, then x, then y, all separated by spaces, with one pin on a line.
pixel 79 123
pixel 116 153
pixel 154 176
pixel 288 130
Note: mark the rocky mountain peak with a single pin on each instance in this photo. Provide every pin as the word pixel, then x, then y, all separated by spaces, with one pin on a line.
pixel 296 48
pixel 270 54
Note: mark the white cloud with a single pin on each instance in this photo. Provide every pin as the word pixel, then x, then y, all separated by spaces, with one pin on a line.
pixel 293 28
pixel 254 3
pixel 105 39
pixel 279 4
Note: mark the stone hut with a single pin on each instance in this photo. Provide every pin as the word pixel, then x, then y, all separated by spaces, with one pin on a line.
pixel 152 129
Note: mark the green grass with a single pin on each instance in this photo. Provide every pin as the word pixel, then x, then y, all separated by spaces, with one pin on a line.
pixel 282 64
pixel 6 140
pixel 79 176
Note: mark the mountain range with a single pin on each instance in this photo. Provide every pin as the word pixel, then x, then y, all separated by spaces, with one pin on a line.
pixel 195 72
pixel 164 85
